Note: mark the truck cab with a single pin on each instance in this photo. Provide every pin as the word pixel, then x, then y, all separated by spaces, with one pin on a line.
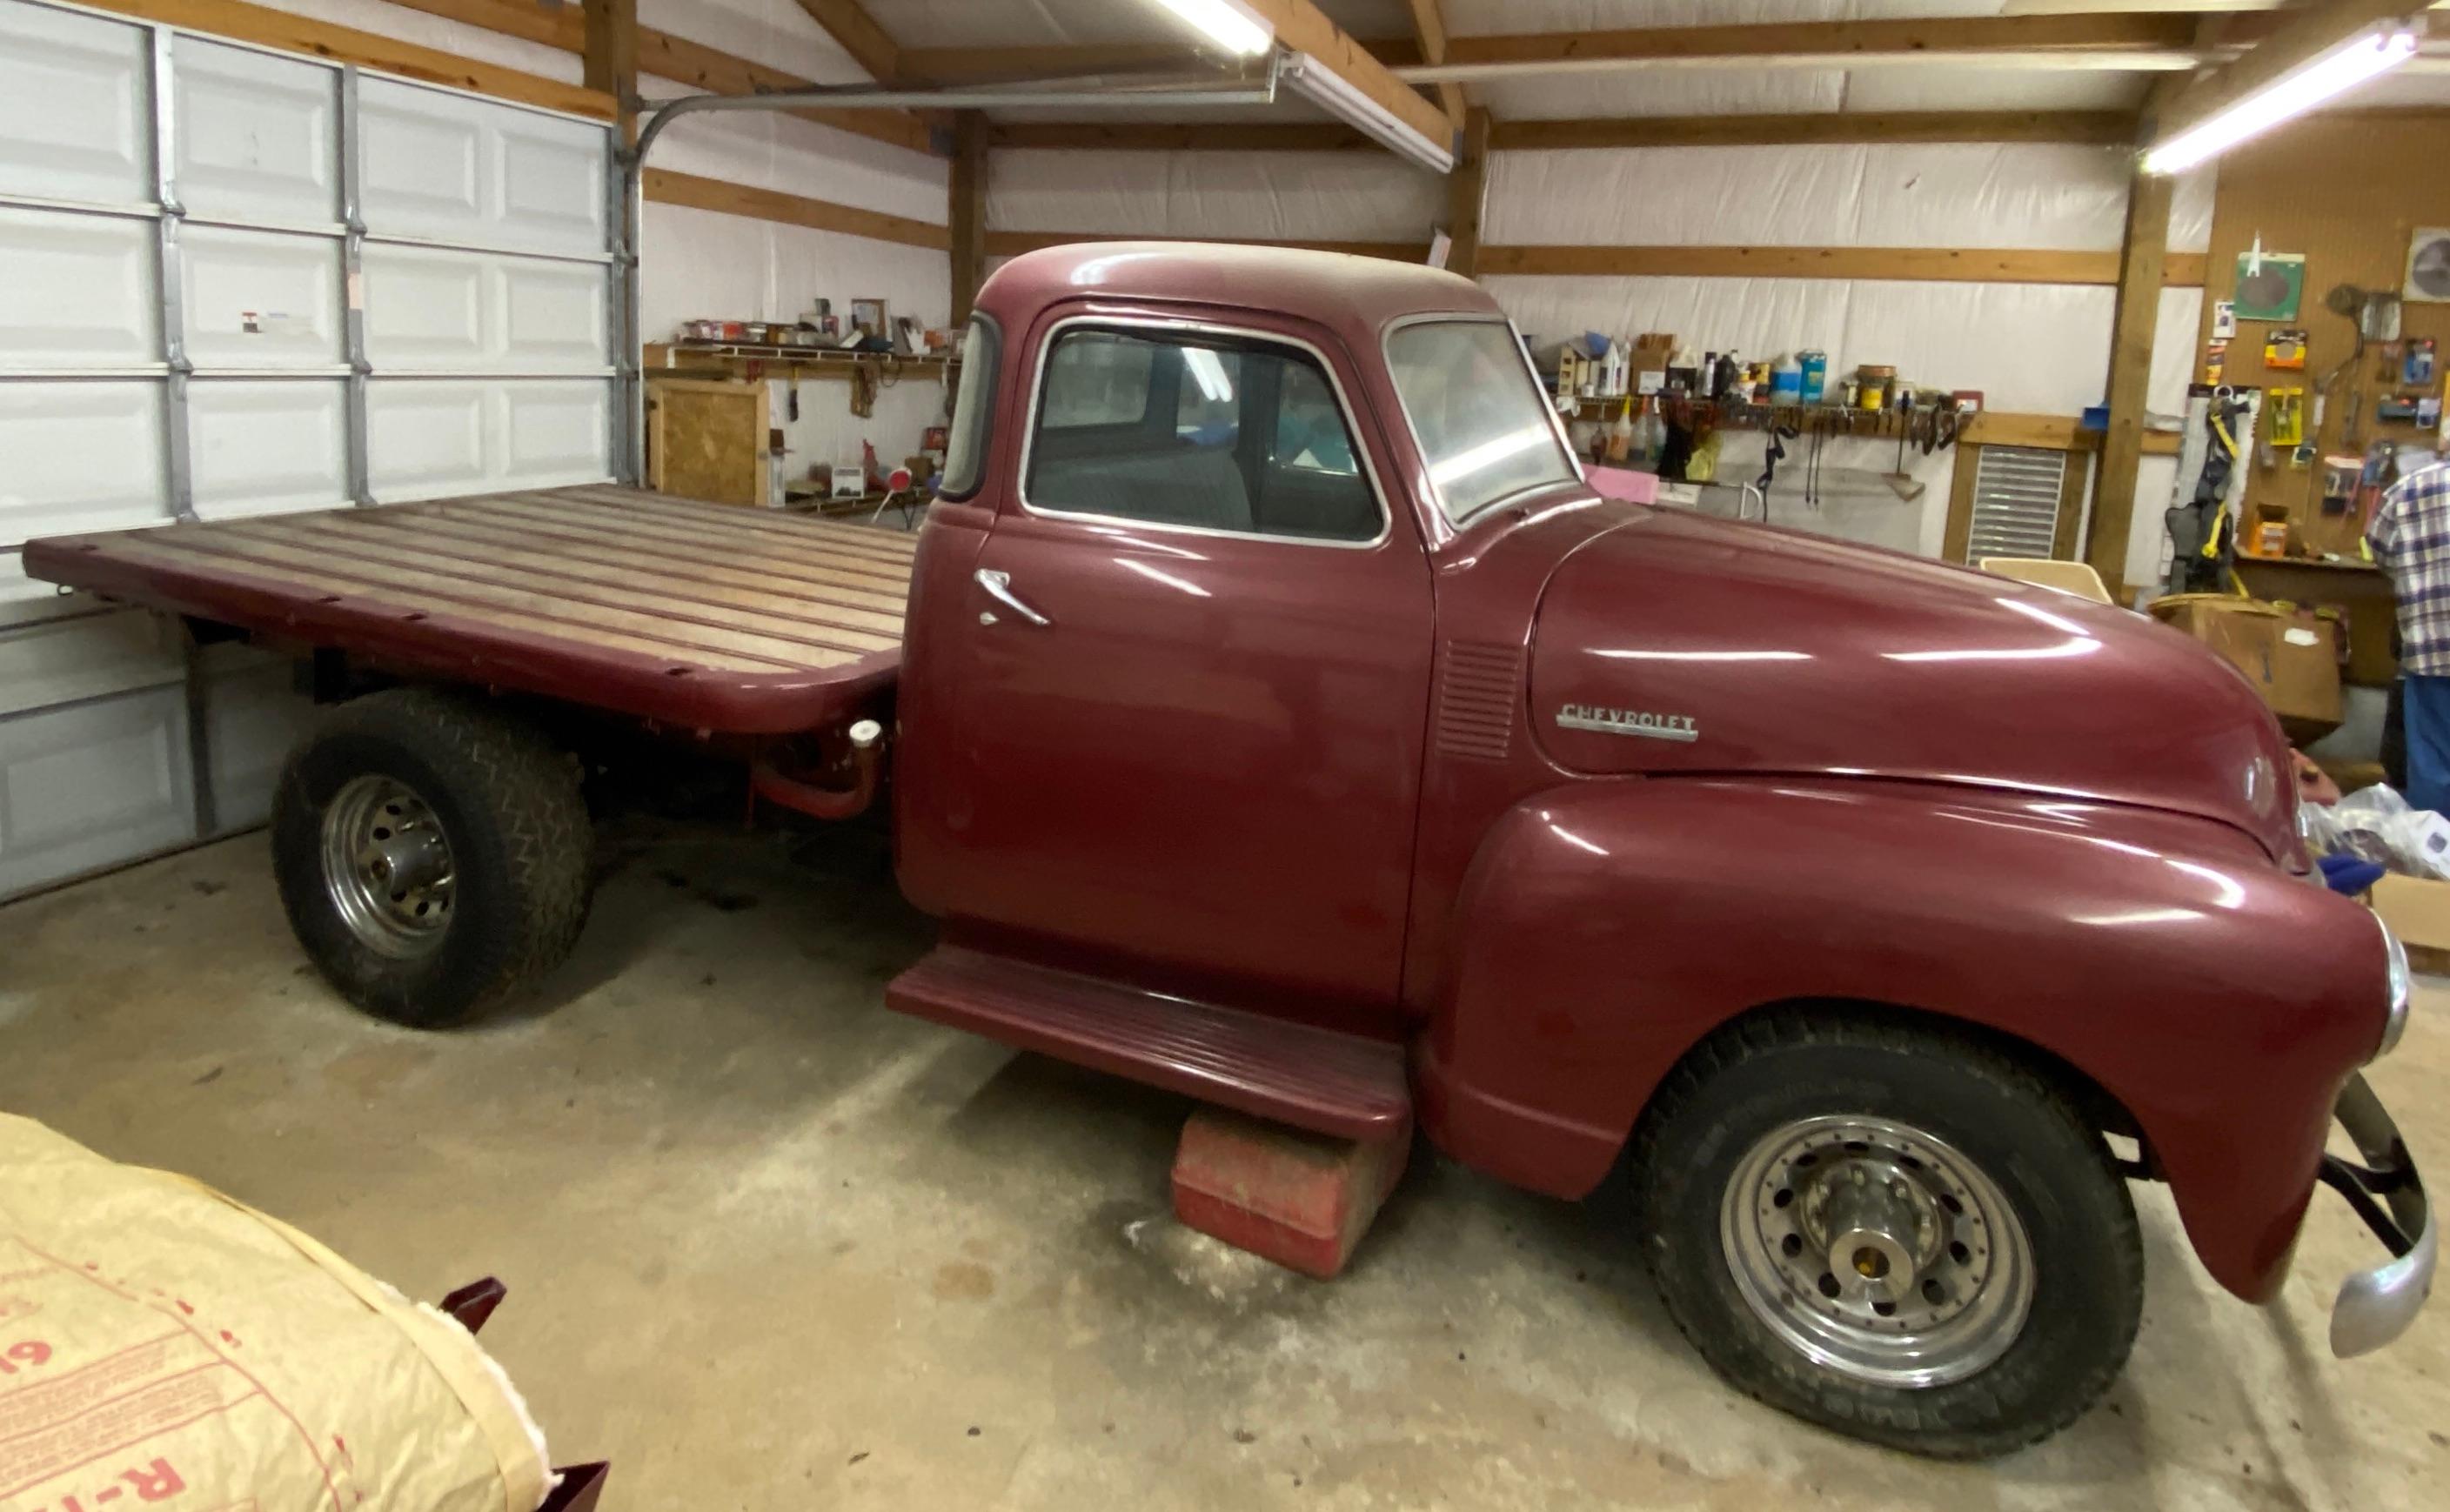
pixel 1270 661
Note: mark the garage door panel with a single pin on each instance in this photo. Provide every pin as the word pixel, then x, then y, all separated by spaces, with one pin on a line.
pixel 89 657
pixel 552 183
pixel 81 457
pixel 436 309
pixel 258 299
pixel 425 308
pixel 555 432
pixel 254 715
pixel 425 438
pixel 258 136
pixel 91 785
pixel 77 290
pixel 29 601
pixel 553 315
pixel 445 167
pixel 268 446
pixel 72 107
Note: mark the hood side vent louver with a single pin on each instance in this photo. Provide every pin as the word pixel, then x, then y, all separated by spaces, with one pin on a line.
pixel 1480 686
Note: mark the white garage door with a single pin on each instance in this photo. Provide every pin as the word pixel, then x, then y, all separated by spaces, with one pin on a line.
pixel 234 283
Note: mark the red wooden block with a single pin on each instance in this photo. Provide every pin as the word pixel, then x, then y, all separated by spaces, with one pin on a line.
pixel 1301 1199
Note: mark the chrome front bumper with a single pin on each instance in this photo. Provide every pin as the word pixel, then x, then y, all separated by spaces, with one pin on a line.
pixel 2377 1306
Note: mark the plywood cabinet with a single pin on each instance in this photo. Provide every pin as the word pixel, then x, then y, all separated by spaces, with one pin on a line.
pixel 706 439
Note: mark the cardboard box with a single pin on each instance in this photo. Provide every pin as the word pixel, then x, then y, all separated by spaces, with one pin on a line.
pixel 2418 911
pixel 2292 660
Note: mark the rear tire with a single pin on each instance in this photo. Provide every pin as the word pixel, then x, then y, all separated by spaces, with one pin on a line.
pixel 1905 1235
pixel 432 852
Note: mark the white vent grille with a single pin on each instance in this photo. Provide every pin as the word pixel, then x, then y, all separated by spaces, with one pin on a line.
pixel 2015 501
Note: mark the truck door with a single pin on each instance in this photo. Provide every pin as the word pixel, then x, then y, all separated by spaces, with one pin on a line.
pixel 1197 672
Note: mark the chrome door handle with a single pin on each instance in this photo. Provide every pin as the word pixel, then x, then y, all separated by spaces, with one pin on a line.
pixel 999 587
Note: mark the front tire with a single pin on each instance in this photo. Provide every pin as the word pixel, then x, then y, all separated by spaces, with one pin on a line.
pixel 1903 1234
pixel 431 853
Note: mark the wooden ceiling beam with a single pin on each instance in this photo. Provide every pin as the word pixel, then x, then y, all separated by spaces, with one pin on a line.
pixel 856 32
pixel 1430 30
pixel 2088 128
pixel 666 55
pixel 2085 127
pixel 1940 37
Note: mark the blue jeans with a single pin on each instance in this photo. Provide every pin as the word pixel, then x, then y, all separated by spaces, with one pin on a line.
pixel 2426 700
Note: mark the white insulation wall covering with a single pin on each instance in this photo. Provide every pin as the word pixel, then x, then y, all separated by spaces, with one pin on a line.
pixel 1299 196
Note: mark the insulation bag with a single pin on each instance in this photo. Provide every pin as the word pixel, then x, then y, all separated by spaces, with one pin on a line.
pixel 163 1345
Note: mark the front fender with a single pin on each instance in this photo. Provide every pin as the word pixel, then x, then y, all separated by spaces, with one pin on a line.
pixel 1605 929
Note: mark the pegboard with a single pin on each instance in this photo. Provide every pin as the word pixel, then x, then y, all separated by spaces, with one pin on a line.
pixel 2345 190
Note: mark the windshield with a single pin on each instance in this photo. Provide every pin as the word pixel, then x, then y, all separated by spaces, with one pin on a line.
pixel 966 449
pixel 1482 425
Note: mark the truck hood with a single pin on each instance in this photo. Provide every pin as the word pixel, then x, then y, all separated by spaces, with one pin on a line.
pixel 1680 642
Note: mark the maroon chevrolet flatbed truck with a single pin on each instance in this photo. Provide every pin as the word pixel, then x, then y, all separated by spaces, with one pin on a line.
pixel 1271 712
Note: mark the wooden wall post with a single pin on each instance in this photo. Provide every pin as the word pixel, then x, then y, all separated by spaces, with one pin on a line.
pixel 967 210
pixel 1467 191
pixel 2141 253
pixel 610 57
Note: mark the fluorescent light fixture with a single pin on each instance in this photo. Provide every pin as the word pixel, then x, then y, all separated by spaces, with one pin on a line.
pixel 2293 93
pixel 1230 24
pixel 1208 371
pixel 1333 93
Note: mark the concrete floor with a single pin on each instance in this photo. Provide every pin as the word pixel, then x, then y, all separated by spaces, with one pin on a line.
pixel 772 1246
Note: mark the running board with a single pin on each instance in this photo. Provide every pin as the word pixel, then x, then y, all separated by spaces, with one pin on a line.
pixel 1312 1079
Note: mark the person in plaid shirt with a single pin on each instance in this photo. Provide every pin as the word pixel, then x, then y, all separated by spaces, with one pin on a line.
pixel 2410 538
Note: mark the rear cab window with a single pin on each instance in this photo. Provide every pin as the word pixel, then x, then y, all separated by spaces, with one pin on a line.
pixel 1196 428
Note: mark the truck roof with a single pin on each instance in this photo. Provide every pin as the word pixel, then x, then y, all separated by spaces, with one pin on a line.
pixel 1353 294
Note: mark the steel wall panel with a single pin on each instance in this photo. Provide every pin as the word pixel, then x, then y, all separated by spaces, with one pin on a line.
pixel 266 447
pixel 90 656
pixel 77 291
pixel 258 135
pixel 27 601
pixel 81 457
pixel 448 168
pixel 429 308
pixel 259 298
pixel 425 438
pixel 91 785
pixel 72 107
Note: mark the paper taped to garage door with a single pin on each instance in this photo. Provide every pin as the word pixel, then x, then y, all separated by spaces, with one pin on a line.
pixel 162 1345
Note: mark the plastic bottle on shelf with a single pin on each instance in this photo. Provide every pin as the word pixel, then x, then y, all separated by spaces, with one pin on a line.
pixel 1620 436
pixel 1786 381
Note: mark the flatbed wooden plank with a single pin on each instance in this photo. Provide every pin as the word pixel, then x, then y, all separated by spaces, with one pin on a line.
pixel 677 540
pixel 707 615
pixel 794 537
pixel 519 567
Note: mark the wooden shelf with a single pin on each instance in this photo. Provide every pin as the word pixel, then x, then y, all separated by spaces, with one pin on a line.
pixel 2054 432
pixel 736 359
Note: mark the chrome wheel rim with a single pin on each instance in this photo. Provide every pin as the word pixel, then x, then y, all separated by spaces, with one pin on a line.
pixel 387 867
pixel 1877 1250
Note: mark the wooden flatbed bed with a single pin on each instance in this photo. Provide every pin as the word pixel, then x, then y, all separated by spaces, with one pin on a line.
pixel 706 616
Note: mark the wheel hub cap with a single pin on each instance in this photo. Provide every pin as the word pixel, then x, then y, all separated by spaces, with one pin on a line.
pixel 387 867
pixel 1877 1250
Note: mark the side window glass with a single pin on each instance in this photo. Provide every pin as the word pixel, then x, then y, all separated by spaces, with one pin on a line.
pixel 1216 433
pixel 1310 429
